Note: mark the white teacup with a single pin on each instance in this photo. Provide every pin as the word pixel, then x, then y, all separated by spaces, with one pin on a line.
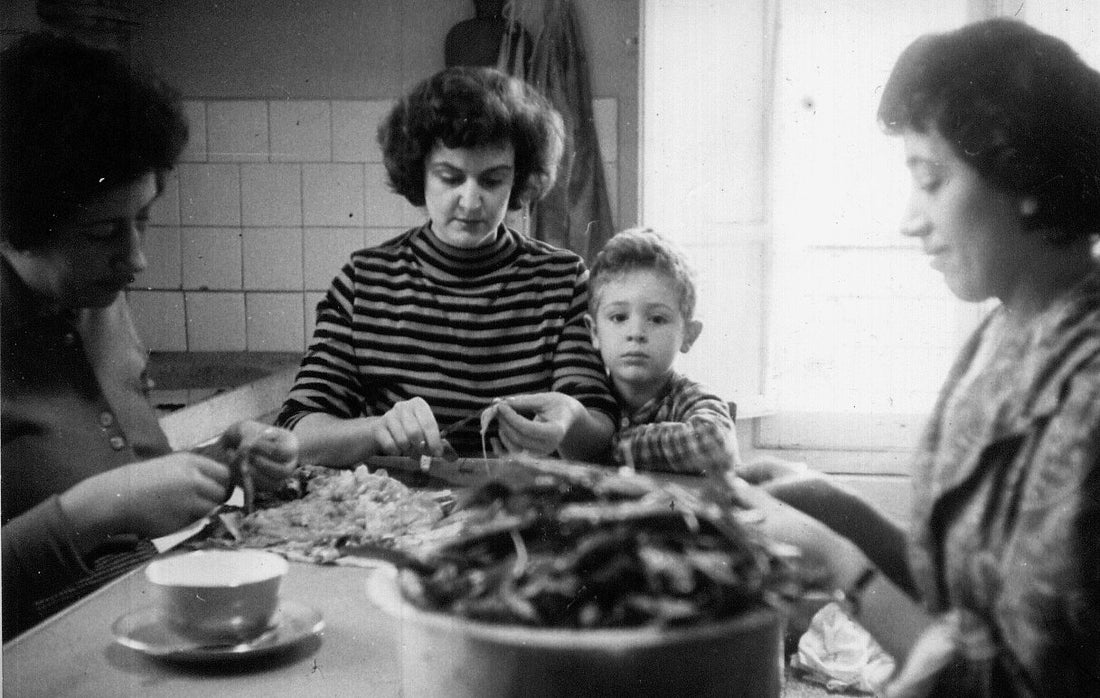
pixel 218 596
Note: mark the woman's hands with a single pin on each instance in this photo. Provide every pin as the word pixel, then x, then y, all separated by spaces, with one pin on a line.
pixel 539 423
pixel 158 496
pixel 841 509
pixel 271 452
pixel 552 415
pixel 407 429
pixel 835 559
pixel 798 485
pixel 164 494
pixel 557 422
pixel 149 498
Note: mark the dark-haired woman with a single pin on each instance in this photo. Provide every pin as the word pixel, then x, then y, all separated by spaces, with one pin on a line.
pixel 1001 593
pixel 442 320
pixel 88 476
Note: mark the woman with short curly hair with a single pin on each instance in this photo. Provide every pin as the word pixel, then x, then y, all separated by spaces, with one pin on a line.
pixel 469 107
pixel 460 312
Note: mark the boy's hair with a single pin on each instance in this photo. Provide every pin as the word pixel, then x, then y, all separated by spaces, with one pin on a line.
pixel 640 249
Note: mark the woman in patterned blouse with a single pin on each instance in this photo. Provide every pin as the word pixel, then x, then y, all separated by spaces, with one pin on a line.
pixel 997 590
pixel 448 317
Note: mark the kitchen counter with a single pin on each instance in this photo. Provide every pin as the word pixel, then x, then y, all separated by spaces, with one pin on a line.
pixel 182 378
pixel 199 394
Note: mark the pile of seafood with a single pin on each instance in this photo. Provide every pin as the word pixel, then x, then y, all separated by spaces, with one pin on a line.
pixel 560 547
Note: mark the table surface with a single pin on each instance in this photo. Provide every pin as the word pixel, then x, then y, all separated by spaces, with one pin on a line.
pixel 74 654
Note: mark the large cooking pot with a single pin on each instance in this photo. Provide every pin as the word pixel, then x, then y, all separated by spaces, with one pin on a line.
pixel 445 655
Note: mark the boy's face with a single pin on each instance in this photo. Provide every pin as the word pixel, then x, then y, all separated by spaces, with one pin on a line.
pixel 638 327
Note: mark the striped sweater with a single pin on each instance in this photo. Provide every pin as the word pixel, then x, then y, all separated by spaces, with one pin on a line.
pixel 456 327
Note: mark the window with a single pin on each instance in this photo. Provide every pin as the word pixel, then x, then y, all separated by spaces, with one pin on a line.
pixel 762 156
pixel 859 323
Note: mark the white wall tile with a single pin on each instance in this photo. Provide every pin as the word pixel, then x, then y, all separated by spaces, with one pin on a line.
pixel 159 319
pixel 376 236
pixel 236 131
pixel 301 131
pixel 211 258
pixel 210 194
pixel 310 313
pixel 412 215
pixel 271 194
pixel 332 195
pixel 275 321
pixel 196 132
pixel 162 252
pixel 215 321
pixel 355 129
pixel 383 208
pixel 326 251
pixel 605 111
pixel 166 207
pixel 272 259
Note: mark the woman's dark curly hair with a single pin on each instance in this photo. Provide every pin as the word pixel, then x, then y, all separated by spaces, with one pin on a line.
pixel 466 107
pixel 75 121
pixel 1018 106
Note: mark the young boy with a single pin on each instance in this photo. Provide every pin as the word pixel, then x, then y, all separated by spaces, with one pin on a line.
pixel 641 306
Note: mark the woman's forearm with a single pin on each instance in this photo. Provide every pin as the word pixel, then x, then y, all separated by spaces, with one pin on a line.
pixel 892 617
pixel 589 438
pixel 880 538
pixel 327 440
pixel 883 608
pixel 92 509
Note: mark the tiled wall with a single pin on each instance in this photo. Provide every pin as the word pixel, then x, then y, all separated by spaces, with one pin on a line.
pixel 268 202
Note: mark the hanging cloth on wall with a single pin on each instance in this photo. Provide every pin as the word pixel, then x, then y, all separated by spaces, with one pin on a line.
pixel 576 213
pixel 487 39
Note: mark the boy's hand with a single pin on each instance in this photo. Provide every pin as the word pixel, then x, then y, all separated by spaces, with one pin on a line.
pixel 553 415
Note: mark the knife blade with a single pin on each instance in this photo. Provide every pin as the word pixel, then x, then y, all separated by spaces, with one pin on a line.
pixel 461 472
pixel 462 423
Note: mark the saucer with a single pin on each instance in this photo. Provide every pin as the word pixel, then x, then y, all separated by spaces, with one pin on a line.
pixel 145 631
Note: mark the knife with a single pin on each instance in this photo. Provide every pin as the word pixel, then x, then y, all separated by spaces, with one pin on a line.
pixel 462 423
pixel 462 472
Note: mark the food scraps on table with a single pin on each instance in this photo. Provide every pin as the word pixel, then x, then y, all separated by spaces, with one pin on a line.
pixel 330 511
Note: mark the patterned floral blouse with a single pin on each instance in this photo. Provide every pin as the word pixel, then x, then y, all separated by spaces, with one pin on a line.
pixel 1006 520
